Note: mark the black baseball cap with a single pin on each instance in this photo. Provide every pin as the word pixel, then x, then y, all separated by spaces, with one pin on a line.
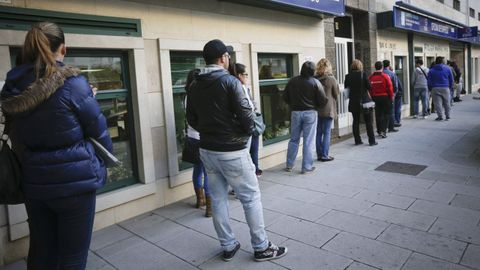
pixel 215 49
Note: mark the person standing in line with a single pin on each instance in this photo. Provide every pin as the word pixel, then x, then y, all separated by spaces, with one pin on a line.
pixel 358 87
pixel 420 89
pixel 240 71
pixel 51 112
pixel 458 81
pixel 199 175
pixel 440 81
pixel 382 94
pixel 393 77
pixel 304 94
pixel 327 113
pixel 219 109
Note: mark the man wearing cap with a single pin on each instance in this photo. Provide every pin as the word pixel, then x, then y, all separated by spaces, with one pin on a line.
pixel 218 108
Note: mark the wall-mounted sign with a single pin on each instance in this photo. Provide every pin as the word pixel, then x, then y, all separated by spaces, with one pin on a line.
pixel 468 32
pixel 419 23
pixel 336 7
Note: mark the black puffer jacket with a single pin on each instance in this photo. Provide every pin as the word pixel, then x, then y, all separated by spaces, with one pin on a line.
pixel 303 94
pixel 218 108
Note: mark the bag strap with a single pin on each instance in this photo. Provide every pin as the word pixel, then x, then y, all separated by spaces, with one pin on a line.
pixel 425 74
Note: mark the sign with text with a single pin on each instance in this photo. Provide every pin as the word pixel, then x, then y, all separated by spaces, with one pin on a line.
pixel 468 32
pixel 336 7
pixel 419 23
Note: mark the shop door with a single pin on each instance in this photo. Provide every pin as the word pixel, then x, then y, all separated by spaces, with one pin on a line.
pixel 344 56
pixel 401 70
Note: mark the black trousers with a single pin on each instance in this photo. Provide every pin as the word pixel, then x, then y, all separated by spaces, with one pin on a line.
pixel 383 107
pixel 368 117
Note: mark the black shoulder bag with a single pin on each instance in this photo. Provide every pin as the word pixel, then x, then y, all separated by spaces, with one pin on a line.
pixel 10 173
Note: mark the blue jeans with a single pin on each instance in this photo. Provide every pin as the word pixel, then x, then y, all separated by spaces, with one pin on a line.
pixel 324 128
pixel 398 109
pixel 237 170
pixel 302 122
pixel 254 151
pixel 420 94
pixel 60 231
pixel 200 174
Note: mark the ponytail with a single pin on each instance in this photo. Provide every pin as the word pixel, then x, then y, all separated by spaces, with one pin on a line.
pixel 41 42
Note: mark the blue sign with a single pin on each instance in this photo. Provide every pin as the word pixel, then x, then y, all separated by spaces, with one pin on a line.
pixel 468 32
pixel 419 23
pixel 335 7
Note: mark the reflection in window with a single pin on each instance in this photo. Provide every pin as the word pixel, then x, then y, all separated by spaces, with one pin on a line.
pixel 181 63
pixel 274 72
pixel 107 73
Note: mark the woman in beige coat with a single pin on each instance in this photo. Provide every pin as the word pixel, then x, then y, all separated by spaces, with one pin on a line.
pixel 327 113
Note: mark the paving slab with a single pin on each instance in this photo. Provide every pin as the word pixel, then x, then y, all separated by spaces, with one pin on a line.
pixel 18 265
pixel 303 231
pixel 457 229
pixel 385 199
pixel 368 251
pixel 305 257
pixel 354 206
pixel 445 211
pixel 466 201
pixel 136 253
pixel 423 242
pixel 152 228
pixel 424 262
pixel 94 262
pixel 457 188
pixel 198 222
pixel 242 260
pixel 471 257
pixel 294 208
pixel 400 217
pixel 425 194
pixel 192 246
pixel 444 177
pixel 360 266
pixel 176 210
pixel 364 226
pixel 108 236
pixel 289 192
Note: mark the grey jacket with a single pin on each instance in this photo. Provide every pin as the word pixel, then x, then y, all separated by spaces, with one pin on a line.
pixel 331 88
pixel 418 79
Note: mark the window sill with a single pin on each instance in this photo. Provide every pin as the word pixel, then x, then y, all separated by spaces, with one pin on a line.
pixel 124 195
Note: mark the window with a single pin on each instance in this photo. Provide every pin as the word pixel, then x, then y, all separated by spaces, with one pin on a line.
pixel 472 12
pixel 107 70
pixel 476 71
pixel 441 1
pixel 274 72
pixel 479 16
pixel 456 4
pixel 180 64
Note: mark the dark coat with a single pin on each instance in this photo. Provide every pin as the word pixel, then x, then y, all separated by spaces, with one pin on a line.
pixel 304 93
pixel 218 108
pixel 359 88
pixel 50 120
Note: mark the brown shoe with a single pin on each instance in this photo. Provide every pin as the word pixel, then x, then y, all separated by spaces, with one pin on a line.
pixel 200 197
pixel 208 210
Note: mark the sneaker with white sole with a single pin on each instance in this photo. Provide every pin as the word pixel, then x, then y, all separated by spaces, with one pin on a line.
pixel 228 255
pixel 271 253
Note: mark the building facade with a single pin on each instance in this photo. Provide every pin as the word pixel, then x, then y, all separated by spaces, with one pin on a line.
pixel 139 52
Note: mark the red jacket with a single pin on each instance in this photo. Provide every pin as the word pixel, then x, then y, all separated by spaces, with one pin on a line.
pixel 381 85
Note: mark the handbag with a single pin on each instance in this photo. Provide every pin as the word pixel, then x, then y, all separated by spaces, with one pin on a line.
pixel 10 174
pixel 191 150
pixel 259 124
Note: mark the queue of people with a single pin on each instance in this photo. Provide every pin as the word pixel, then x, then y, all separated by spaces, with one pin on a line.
pixel 61 171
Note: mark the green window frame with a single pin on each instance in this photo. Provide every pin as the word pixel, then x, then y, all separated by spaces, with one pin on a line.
pixel 181 62
pixel 115 100
pixel 275 70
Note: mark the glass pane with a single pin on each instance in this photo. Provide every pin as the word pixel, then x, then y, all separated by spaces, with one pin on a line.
pixel 119 126
pixel 181 63
pixel 105 73
pixel 276 112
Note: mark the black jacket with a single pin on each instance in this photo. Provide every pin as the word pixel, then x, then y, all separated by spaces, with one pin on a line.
pixel 359 88
pixel 304 94
pixel 218 108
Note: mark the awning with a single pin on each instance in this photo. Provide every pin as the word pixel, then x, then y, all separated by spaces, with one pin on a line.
pixel 316 8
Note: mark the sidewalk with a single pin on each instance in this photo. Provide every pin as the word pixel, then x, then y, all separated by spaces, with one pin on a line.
pixel 345 215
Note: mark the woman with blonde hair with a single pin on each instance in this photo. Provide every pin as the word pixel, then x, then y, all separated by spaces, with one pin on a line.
pixel 358 84
pixel 327 113
pixel 51 112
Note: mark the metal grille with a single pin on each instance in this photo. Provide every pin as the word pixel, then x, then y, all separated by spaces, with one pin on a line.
pixel 403 168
